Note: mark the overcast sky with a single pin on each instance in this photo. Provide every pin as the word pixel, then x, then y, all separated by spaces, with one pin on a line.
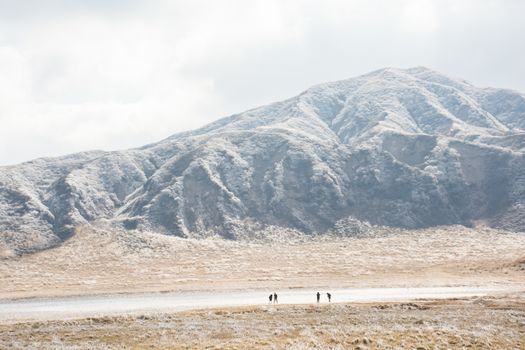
pixel 113 74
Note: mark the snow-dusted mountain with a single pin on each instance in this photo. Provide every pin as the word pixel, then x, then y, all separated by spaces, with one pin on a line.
pixel 408 148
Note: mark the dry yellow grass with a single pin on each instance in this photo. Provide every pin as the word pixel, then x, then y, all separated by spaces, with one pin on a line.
pixel 479 323
pixel 105 261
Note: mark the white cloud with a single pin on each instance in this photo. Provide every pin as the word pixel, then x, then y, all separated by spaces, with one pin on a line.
pixel 78 75
pixel 420 15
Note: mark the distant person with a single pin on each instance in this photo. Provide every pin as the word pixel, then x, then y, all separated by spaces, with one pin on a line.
pixel 275 298
pixel 270 297
pixel 329 297
pixel 318 297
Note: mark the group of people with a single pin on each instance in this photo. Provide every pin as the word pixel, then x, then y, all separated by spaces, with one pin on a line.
pixel 329 296
pixel 273 297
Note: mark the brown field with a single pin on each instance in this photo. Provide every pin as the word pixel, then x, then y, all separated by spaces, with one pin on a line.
pixel 475 323
pixel 97 261
pixel 104 261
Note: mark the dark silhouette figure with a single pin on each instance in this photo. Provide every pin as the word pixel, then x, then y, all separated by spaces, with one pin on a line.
pixel 275 298
pixel 329 297
pixel 318 297
pixel 270 297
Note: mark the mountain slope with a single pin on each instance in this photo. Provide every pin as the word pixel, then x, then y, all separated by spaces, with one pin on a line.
pixel 408 148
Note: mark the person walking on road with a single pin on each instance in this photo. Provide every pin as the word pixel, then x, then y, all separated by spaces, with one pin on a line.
pixel 275 298
pixel 270 297
pixel 329 297
pixel 318 297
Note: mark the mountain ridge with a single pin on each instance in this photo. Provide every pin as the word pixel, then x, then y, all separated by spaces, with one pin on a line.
pixel 401 147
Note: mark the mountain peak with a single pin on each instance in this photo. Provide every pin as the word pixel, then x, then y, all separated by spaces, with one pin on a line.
pixel 413 100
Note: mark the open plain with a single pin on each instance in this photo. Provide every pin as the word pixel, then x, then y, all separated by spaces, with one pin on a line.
pixel 475 323
pixel 104 261
pixel 101 261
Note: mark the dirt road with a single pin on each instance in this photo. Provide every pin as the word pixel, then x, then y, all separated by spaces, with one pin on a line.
pixel 103 305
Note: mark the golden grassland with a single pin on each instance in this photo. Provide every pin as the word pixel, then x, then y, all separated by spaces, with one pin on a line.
pixel 99 261
pixel 472 323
